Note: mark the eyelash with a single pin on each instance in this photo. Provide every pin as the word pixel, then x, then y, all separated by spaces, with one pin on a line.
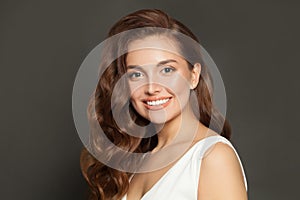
pixel 169 68
pixel 132 75
pixel 137 75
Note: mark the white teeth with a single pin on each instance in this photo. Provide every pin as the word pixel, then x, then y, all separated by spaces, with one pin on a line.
pixel 157 102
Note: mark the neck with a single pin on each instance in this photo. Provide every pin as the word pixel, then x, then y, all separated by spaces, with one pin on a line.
pixel 183 122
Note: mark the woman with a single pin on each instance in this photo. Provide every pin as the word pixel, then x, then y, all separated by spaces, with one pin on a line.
pixel 159 92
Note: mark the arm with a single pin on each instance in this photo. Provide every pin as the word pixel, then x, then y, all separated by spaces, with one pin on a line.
pixel 221 176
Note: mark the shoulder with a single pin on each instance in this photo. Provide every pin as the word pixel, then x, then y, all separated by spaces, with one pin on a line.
pixel 221 175
pixel 220 152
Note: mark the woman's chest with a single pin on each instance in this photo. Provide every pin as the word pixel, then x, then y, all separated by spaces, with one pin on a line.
pixel 142 183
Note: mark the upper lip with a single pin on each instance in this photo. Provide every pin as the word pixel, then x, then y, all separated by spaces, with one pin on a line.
pixel 155 98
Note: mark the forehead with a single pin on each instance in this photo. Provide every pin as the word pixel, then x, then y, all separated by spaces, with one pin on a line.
pixel 151 50
pixel 155 41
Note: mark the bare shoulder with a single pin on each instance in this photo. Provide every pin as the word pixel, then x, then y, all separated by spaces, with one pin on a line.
pixel 221 175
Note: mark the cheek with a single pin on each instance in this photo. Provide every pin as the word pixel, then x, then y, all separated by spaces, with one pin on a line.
pixel 135 87
pixel 178 84
pixel 180 88
pixel 133 101
pixel 135 95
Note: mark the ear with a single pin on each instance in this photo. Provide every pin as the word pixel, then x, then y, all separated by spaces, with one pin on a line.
pixel 196 71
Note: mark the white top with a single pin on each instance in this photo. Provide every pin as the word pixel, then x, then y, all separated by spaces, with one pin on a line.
pixel 180 182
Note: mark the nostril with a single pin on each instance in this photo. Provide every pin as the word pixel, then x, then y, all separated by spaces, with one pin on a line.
pixel 153 88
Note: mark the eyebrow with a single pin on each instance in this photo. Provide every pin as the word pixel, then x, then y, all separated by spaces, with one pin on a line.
pixel 157 65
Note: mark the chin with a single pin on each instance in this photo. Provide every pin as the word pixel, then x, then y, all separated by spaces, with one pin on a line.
pixel 158 121
pixel 162 118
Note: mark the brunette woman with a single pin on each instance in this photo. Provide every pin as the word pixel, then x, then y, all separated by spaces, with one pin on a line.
pixel 156 100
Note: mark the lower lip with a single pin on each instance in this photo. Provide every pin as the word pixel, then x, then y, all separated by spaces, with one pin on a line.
pixel 158 107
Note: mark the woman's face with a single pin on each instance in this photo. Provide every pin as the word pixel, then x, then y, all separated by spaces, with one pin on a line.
pixel 160 81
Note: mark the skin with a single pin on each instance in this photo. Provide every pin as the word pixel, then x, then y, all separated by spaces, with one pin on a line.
pixel 221 175
pixel 156 74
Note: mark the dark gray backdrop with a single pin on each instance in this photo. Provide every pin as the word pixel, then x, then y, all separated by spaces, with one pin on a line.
pixel 255 45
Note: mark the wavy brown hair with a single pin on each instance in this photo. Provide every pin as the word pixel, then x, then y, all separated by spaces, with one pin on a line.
pixel 105 182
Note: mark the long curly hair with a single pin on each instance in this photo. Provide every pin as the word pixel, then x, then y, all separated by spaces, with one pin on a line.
pixel 106 183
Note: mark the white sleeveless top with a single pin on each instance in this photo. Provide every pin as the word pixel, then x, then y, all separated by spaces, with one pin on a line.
pixel 180 182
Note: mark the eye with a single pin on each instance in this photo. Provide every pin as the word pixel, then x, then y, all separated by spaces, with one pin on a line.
pixel 135 75
pixel 168 70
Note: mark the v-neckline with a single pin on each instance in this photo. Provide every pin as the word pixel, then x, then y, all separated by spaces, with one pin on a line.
pixel 171 168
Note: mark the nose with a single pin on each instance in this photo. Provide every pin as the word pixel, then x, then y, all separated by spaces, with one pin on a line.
pixel 153 88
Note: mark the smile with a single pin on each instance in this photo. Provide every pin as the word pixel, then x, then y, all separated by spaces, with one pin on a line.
pixel 157 104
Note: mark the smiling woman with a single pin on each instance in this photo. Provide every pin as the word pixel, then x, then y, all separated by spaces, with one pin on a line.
pixel 164 83
pixel 162 90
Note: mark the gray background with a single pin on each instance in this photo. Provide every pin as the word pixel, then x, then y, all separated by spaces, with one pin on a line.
pixel 255 45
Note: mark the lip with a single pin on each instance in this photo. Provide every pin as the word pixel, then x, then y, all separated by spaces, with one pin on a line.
pixel 156 107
